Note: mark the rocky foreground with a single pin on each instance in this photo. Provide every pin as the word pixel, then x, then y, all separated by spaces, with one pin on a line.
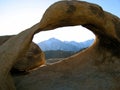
pixel 96 68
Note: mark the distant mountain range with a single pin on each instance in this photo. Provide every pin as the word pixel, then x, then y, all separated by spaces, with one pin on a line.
pixel 55 44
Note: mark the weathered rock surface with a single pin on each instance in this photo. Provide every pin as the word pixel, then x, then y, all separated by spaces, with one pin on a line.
pixel 96 68
pixel 3 39
pixel 10 52
pixel 33 58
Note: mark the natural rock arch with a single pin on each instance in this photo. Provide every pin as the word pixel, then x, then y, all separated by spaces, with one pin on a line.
pixel 97 68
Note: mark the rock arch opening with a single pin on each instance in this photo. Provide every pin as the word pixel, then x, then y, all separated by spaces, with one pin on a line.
pixel 64 42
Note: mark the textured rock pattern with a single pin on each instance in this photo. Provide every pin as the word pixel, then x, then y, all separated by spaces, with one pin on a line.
pixel 96 68
pixel 34 57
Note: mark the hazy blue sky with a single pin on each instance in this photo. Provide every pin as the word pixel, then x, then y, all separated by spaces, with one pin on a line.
pixel 18 15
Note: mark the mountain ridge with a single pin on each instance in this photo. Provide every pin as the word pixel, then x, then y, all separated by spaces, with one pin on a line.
pixel 56 44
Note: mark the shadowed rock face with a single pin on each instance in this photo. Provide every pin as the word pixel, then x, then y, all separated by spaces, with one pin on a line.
pixel 96 68
pixel 33 58
pixel 3 39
